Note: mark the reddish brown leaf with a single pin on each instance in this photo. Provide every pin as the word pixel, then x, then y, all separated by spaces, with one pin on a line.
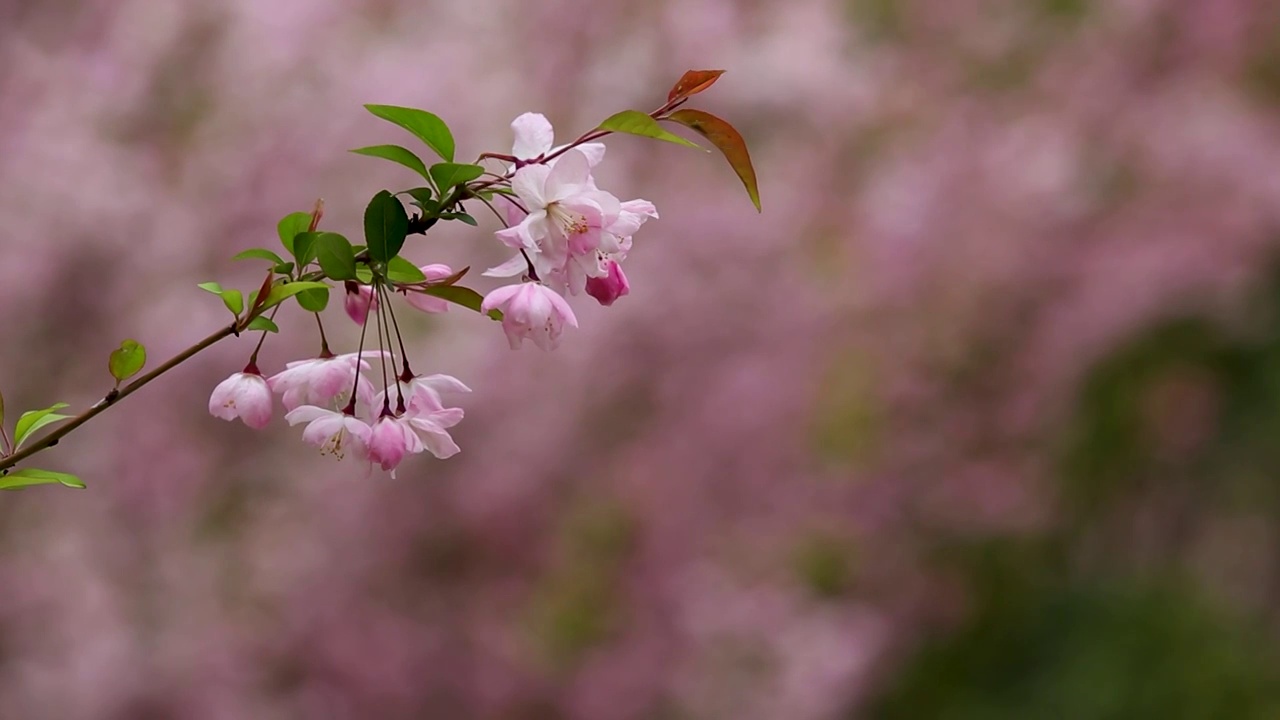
pixel 692 83
pixel 728 140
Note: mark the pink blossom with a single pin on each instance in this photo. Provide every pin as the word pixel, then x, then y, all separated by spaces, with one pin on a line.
pixel 431 426
pixel 244 395
pixel 333 432
pixel 610 287
pixel 321 381
pixel 428 303
pixel 566 213
pixel 359 301
pixel 423 393
pixel 390 440
pixel 534 137
pixel 531 310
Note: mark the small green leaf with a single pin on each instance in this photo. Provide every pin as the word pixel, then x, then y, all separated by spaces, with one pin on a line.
pixel 259 254
pixel 449 174
pixel 422 197
pixel 314 300
pixel 428 128
pixel 26 477
pixel 728 141
pixel 127 360
pixel 304 248
pixel 634 122
pixel 283 268
pixel 385 226
pixel 290 225
pixel 464 217
pixel 263 323
pixel 400 270
pixel 396 154
pixel 464 296
pixel 212 287
pixel 337 258
pixel 33 420
pixel 364 274
pixel 284 291
pixel 234 301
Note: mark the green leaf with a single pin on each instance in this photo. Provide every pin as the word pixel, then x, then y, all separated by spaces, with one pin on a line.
pixel 634 122
pixel 422 197
pixel 337 258
pixel 364 274
pixel 290 225
pixel 428 128
pixel 212 287
pixel 284 291
pixel 464 217
pixel 234 301
pixel 385 226
pixel 283 268
pixel 400 270
pixel 728 141
pixel 33 420
pixel 464 296
pixel 127 360
pixel 314 300
pixel 304 248
pixel 396 154
pixel 259 254
pixel 449 174
pixel 26 477
pixel 263 323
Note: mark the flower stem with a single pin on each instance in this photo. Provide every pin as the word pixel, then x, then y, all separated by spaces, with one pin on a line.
pixel 114 397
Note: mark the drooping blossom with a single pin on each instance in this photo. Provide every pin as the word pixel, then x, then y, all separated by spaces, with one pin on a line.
pixel 609 288
pixel 390 440
pixel 432 427
pixel 244 395
pixel 531 310
pixel 323 381
pixel 429 303
pixel 334 432
pixel 359 301
pixel 421 393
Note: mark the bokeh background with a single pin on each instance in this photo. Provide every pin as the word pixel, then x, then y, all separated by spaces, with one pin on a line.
pixel 980 419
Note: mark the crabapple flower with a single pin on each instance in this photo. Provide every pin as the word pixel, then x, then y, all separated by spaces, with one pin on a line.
pixel 333 432
pixel 428 303
pixel 244 395
pixel 359 301
pixel 534 137
pixel 531 310
pixel 322 381
pixel 421 393
pixel 432 428
pixel 566 213
pixel 609 288
pixel 390 440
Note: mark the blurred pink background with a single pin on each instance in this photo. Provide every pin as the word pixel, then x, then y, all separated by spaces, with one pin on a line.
pixel 737 492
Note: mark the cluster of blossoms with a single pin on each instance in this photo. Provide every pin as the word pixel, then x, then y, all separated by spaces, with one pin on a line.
pixel 570 236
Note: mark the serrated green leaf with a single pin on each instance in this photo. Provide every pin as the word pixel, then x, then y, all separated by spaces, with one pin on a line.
pixel 27 477
pixel 33 420
pixel 728 141
pixel 234 300
pixel 336 256
pixel 314 300
pixel 386 225
pixel 211 287
pixel 634 122
pixel 126 360
pixel 400 270
pixel 263 323
pixel 395 154
pixel 427 127
pixel 290 225
pixel 464 217
pixel 284 291
pixel 450 174
pixel 259 254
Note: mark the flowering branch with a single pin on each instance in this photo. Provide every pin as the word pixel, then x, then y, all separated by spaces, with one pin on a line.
pixel 569 237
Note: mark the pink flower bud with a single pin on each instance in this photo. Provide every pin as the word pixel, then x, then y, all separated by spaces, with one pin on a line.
pixel 359 301
pixel 612 286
